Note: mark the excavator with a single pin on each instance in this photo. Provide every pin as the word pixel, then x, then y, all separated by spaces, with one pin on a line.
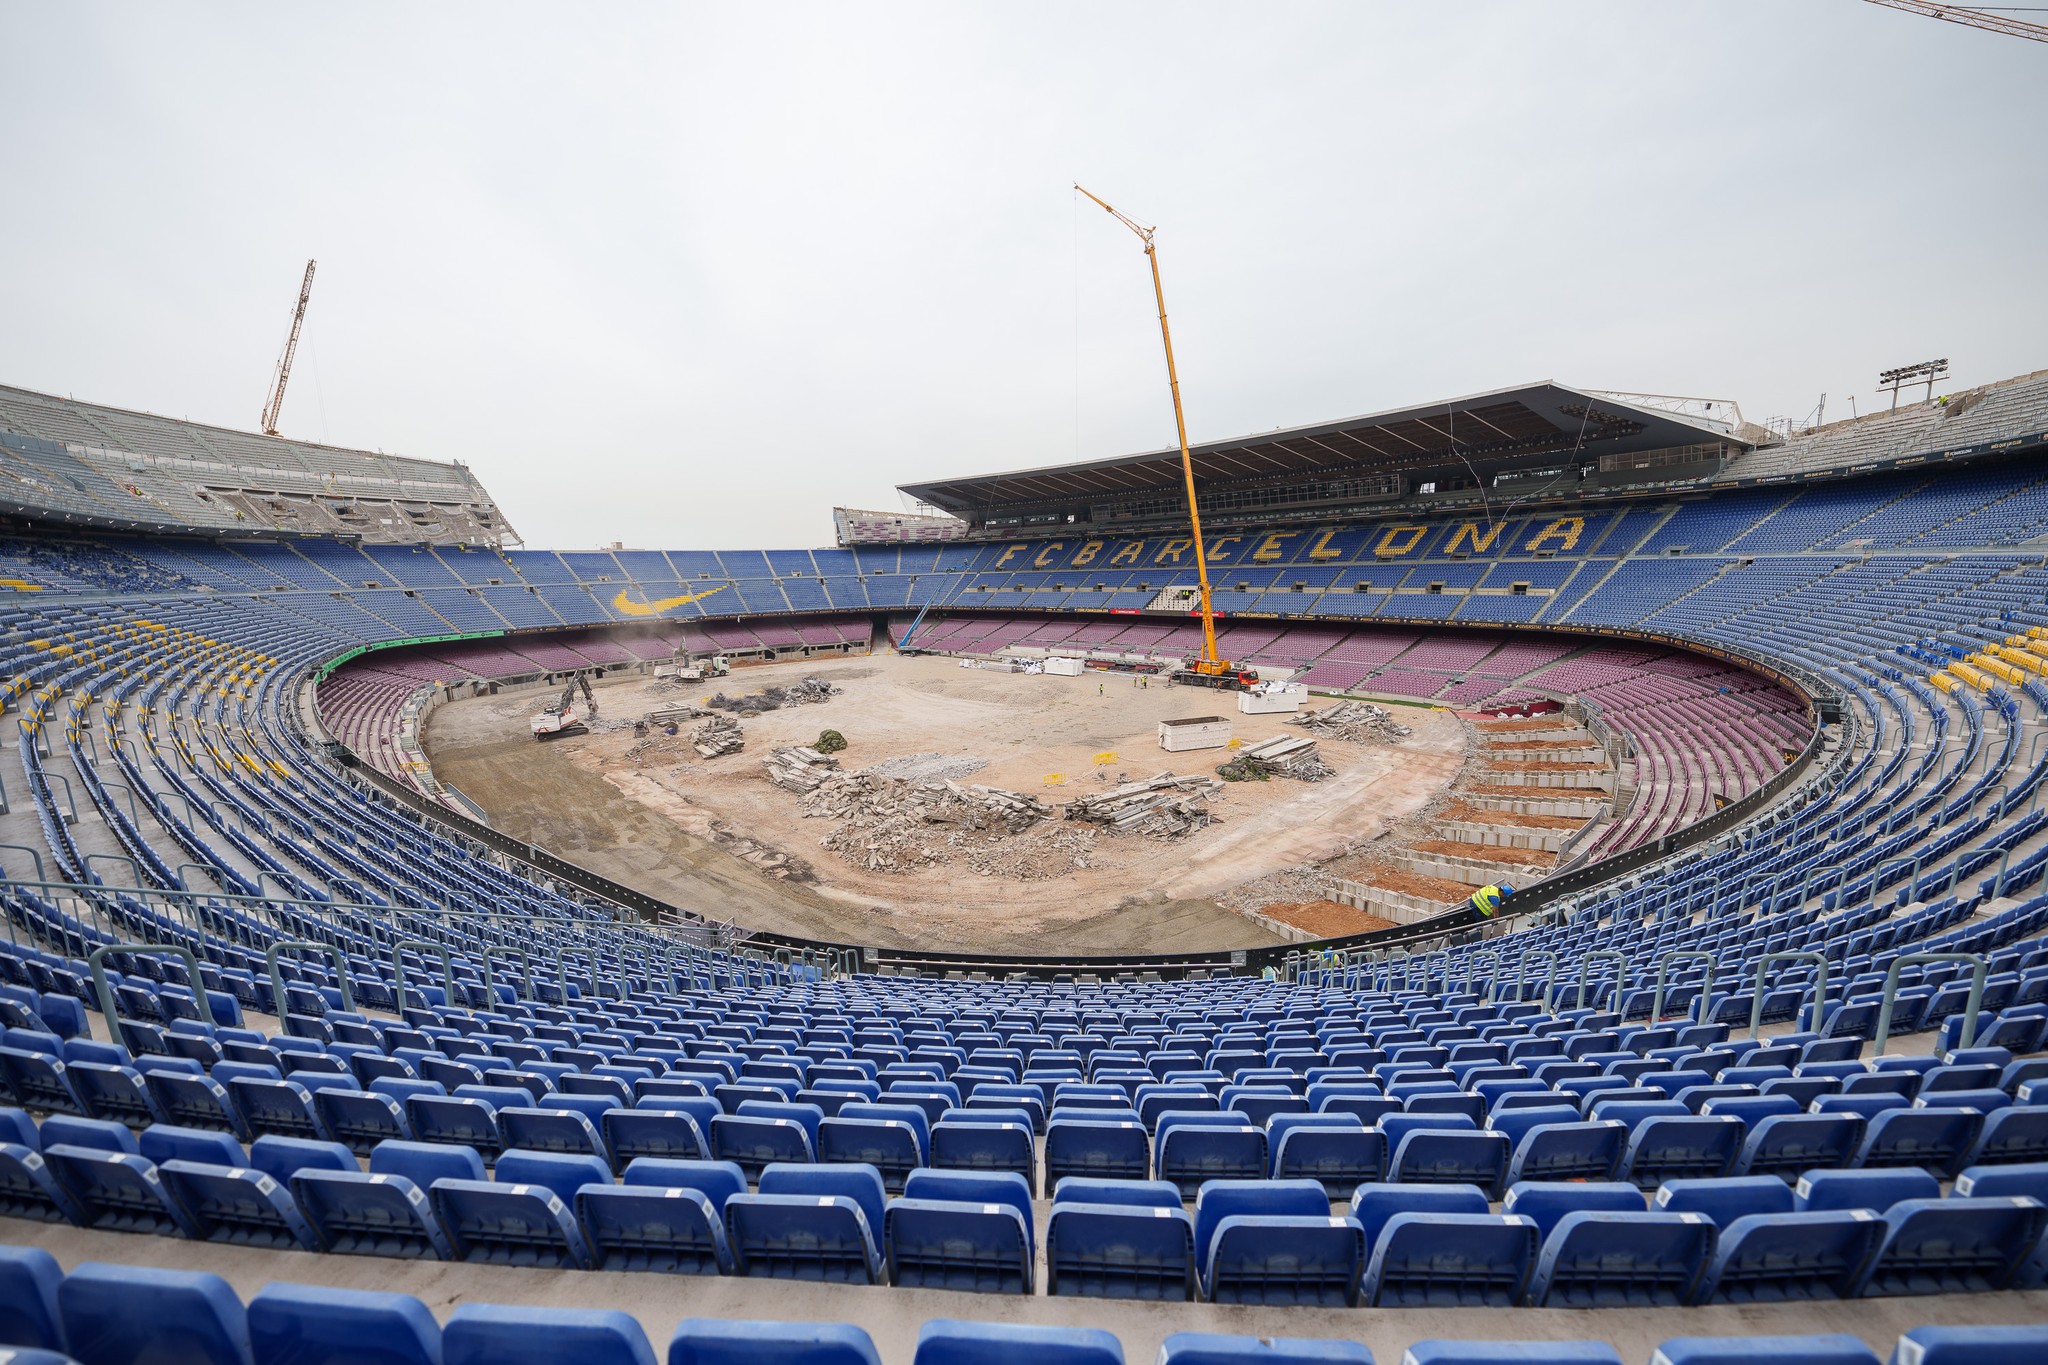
pixel 565 717
pixel 1210 670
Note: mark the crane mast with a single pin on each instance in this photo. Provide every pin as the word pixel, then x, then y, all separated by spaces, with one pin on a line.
pixel 1973 18
pixel 291 347
pixel 1209 665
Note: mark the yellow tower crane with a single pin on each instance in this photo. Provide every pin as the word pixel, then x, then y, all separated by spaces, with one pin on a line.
pixel 275 403
pixel 1210 665
pixel 1973 16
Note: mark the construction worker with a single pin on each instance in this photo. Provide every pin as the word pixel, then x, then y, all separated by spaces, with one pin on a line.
pixel 1486 900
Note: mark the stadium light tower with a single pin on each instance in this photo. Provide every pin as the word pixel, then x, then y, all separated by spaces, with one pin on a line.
pixel 1928 370
pixel 1209 665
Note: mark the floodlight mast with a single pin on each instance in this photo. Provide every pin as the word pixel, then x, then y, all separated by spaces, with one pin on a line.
pixel 1210 664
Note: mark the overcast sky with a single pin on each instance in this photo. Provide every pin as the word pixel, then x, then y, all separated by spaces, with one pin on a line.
pixel 689 275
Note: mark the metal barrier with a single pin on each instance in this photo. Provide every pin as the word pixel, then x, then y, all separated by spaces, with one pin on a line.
pixel 1664 963
pixel 506 954
pixel 303 945
pixel 1620 961
pixel 1980 971
pixel 1820 988
pixel 1522 977
pixel 110 1008
pixel 398 951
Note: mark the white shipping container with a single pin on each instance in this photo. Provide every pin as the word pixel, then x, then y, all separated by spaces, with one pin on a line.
pixel 1194 732
pixel 1065 668
pixel 1271 700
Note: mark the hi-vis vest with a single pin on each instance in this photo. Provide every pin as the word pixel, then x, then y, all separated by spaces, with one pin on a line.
pixel 1486 900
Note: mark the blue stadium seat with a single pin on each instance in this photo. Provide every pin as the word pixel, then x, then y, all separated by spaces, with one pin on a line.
pixel 116 1192
pixel 28 1298
pixel 38 1080
pixel 674 1231
pixel 99 1135
pixel 1667 1147
pixel 1954 1245
pixel 1091 1148
pixel 802 1237
pixel 279 1108
pixel 985 1147
pixel 109 1091
pixel 1438 1157
pixel 1450 1260
pixel 2015 1134
pixel 494 1334
pixel 425 1162
pixel 1728 1198
pixel 1638 1260
pixel 1875 1189
pixel 1546 1202
pixel 1339 1156
pixel 953 1244
pixel 132 1315
pixel 239 1206
pixel 281 1158
pixel 1285 1260
pixel 499 1224
pixel 1786 1144
pixel 1436 1352
pixel 1808 1350
pixel 196 1102
pixel 728 1341
pixel 861 1184
pixel 563 1173
pixel 29 1190
pixel 163 1142
pixel 362 1214
pixel 945 1341
pixel 1782 1257
pixel 454 1122
pixel 1971 1345
pixel 717 1181
pixel 1207 1348
pixel 1567 1151
pixel 1188 1153
pixel 297 1324
pixel 751 1142
pixel 1373 1205
pixel 1120 1251
pixel 633 1133
pixel 1936 1139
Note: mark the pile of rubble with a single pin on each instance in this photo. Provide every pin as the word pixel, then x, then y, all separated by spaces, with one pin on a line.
pixel 888 824
pixel 719 736
pixel 863 796
pixel 1358 722
pixel 798 769
pixel 1286 755
pixel 1165 807
pixel 806 692
pixel 927 767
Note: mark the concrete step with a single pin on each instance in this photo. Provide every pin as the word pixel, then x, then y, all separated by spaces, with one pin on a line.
pixel 1507 836
pixel 1397 906
pixel 1474 872
pixel 1583 779
pixel 1576 807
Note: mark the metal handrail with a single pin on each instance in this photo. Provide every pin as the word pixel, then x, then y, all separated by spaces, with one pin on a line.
pixel 1618 958
pixel 1664 964
pixel 1522 976
pixel 270 960
pixel 110 1008
pixel 441 950
pixel 525 973
pixel 1820 987
pixel 1980 971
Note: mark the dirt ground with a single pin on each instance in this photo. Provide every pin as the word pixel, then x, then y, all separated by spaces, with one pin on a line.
pixel 717 837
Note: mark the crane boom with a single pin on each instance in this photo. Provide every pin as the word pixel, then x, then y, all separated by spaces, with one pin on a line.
pixel 291 347
pixel 1209 664
pixel 1973 18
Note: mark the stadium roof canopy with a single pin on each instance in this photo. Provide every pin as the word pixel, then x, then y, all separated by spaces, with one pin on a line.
pixel 1497 429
